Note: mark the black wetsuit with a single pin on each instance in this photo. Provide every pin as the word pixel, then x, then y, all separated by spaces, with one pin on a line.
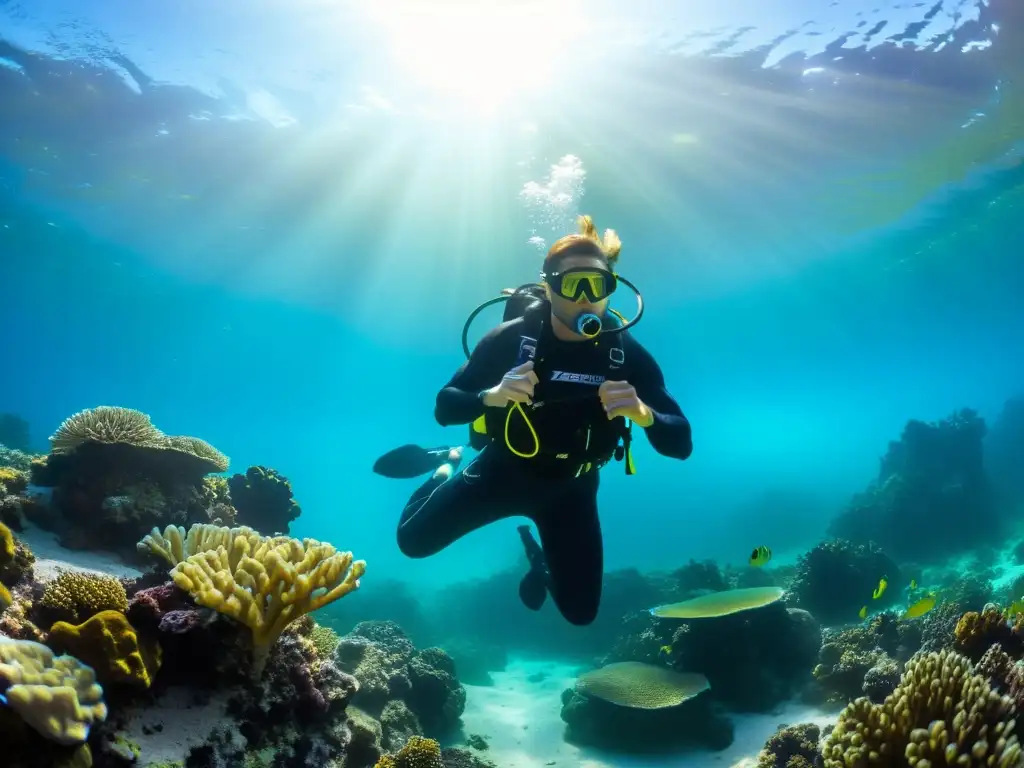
pixel 556 489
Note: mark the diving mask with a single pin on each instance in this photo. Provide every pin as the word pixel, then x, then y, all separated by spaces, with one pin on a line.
pixel 581 283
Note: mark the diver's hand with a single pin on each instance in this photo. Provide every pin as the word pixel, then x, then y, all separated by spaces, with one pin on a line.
pixel 619 398
pixel 515 387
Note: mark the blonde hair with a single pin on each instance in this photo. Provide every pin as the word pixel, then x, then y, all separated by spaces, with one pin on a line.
pixel 587 242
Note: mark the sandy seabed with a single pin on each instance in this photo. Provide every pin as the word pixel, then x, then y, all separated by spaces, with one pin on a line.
pixel 519 715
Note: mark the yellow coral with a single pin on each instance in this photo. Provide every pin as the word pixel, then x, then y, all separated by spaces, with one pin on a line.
pixel 12 480
pixel 325 640
pixel 57 695
pixel 84 594
pixel 6 599
pixel 109 644
pixel 941 713
pixel 418 752
pixel 15 558
pixel 174 546
pixel 266 582
pixel 8 547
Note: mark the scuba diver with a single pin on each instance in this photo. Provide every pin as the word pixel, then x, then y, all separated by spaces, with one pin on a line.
pixel 551 395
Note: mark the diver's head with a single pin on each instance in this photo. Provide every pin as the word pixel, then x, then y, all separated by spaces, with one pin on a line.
pixel 578 280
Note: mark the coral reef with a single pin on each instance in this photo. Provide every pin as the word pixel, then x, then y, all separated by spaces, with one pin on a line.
pixel 408 691
pixel 932 498
pixel 835 579
pixel 115 476
pixel 976 632
pixel 58 696
pixel 15 459
pixel 266 583
pixel 592 721
pixel 793 746
pixel 263 500
pixel 417 753
pixel 941 712
pixel 110 645
pixel 15 558
pixel 754 659
pixel 75 596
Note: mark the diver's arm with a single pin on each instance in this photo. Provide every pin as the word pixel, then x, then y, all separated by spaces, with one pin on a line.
pixel 459 401
pixel 669 433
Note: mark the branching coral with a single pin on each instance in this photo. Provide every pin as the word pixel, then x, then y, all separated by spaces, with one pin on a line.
pixel 266 583
pixel 111 646
pixel 942 713
pixel 79 595
pixel 175 546
pixel 57 695
pixel 417 753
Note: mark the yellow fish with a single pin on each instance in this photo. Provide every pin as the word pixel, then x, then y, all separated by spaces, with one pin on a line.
pixel 863 612
pixel 1017 606
pixel 913 583
pixel 666 650
pixel 880 590
pixel 920 608
pixel 760 556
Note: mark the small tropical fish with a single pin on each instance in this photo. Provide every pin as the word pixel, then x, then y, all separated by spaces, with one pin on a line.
pixel 863 612
pixel 921 607
pixel 880 590
pixel 913 583
pixel 666 650
pixel 760 556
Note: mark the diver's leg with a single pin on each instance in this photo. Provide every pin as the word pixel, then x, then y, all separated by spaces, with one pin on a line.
pixel 449 505
pixel 570 535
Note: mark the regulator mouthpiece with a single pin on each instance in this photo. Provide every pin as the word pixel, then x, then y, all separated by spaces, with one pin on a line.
pixel 588 325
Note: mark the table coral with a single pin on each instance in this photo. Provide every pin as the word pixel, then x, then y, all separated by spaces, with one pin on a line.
pixel 942 713
pixel 57 695
pixel 111 645
pixel 266 583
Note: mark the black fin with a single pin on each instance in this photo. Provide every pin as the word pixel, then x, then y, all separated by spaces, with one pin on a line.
pixel 533 589
pixel 410 461
pixel 533 551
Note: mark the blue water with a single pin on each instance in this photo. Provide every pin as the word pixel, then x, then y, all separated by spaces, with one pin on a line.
pixel 260 227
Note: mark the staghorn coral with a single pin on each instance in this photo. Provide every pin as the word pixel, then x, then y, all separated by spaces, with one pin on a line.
pixel 791 744
pixel 266 583
pixel 111 646
pixel 417 753
pixel 976 632
pixel 57 695
pixel 263 500
pixel 942 713
pixel 175 546
pixel 76 595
